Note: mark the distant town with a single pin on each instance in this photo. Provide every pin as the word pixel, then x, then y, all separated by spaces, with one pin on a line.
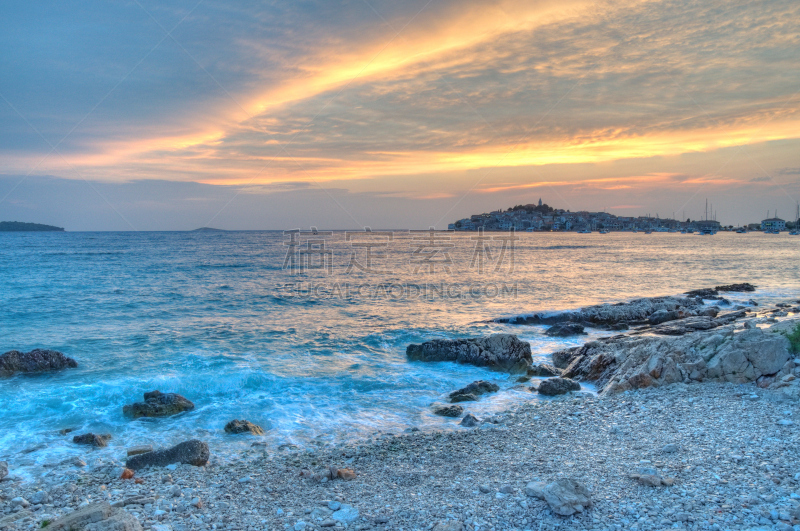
pixel 542 217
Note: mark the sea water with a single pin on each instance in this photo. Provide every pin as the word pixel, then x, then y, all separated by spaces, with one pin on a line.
pixel 305 334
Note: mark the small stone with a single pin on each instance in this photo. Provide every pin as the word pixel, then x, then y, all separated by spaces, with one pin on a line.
pixel 3 469
pixel 99 441
pixel 246 479
pixel 507 489
pixel 334 505
pixel 40 497
pixel 567 496
pixel 670 448
pixel 449 525
pixel 299 526
pixel 346 474
pixel 486 489
pixel 469 421
pixel 346 513
pixel 448 410
pixel 243 426
pixel 785 422
pixel 197 502
pixel 127 474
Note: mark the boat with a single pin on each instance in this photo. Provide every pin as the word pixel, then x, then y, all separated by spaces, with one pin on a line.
pixel 604 231
pixel 741 230
pixel 708 232
pixel 584 231
pixel 648 232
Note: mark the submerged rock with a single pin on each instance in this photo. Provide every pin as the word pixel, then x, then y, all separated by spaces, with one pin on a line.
pixel 192 452
pixel 567 496
pixel 3 469
pixel 473 391
pixel 90 439
pixel 243 426
pixel 447 410
pixel 558 386
pixel 35 361
pixel 565 330
pixel 504 352
pixel 158 404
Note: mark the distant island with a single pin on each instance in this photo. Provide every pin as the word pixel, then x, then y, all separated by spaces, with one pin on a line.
pixel 19 226
pixel 542 217
pixel 209 229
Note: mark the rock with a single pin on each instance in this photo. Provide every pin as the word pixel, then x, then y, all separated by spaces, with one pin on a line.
pixel 136 450
pixel 90 439
pixel 473 390
pixel 469 421
pixel 127 474
pixel 535 489
pixel 485 489
pixel 346 513
pixel 565 330
pixel 651 477
pixel 543 369
pixel 334 505
pixel 192 452
pixel 447 410
pixel 670 448
pixel 611 316
pixel 449 525
pixel 558 386
pixel 35 361
pixel 96 517
pixel 3 469
pixel 158 404
pixel 504 352
pixel 567 496
pixel 743 287
pixel 243 426
pixel 347 474
pixel 40 497
pixel 19 501
pixel 662 316
pixel 328 523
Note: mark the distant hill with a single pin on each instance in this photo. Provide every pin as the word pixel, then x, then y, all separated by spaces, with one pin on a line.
pixel 208 229
pixel 19 226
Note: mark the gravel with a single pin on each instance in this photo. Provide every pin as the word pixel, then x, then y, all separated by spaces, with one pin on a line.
pixel 730 463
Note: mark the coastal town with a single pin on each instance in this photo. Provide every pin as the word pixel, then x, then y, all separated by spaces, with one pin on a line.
pixel 542 217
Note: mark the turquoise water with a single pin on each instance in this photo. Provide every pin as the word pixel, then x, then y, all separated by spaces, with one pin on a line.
pixel 217 318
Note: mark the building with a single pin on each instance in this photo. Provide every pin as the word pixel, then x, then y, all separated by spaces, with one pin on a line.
pixel 773 223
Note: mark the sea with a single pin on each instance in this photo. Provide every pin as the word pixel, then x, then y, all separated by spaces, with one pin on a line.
pixel 304 332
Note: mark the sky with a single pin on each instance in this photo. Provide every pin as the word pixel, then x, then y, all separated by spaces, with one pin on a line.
pixel 342 114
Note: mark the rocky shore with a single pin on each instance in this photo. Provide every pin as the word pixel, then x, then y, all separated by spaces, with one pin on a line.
pixel 689 431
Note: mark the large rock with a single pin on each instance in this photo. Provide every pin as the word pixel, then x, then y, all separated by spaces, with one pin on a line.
pixel 567 496
pixel 558 386
pixel 613 316
pixel 565 330
pixel 192 452
pixel 720 353
pixel 505 352
pixel 243 426
pixel 158 404
pixel 473 391
pixel 96 517
pixel 37 360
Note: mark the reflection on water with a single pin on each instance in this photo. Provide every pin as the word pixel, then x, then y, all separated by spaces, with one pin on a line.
pixel 319 355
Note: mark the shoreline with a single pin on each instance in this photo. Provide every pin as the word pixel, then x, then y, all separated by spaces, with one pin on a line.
pixel 539 440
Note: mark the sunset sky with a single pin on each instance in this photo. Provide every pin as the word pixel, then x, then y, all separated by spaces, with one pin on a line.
pixel 395 114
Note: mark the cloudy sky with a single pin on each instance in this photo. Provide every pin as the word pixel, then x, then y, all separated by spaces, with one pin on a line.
pixel 153 115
